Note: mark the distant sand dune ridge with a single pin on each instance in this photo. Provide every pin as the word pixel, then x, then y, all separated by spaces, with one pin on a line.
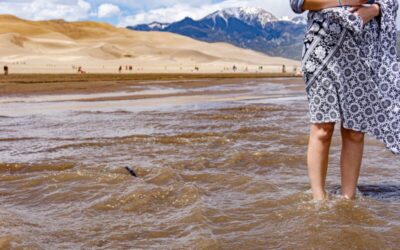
pixel 54 46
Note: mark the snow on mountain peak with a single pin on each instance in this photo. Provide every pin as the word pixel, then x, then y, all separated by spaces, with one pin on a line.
pixel 158 25
pixel 299 20
pixel 249 15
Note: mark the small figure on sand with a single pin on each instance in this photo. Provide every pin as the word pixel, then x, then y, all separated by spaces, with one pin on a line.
pixel 283 68
pixel 234 68
pixel 81 71
pixel 130 68
pixel 5 70
pixel 295 71
pixel 120 69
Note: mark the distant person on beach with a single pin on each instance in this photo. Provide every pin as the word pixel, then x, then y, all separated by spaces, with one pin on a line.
pixel 81 71
pixel 348 86
pixel 5 70
pixel 283 68
pixel 120 69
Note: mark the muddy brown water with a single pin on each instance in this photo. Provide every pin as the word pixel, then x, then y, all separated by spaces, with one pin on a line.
pixel 224 170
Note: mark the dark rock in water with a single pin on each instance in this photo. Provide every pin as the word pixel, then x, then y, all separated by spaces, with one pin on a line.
pixel 131 171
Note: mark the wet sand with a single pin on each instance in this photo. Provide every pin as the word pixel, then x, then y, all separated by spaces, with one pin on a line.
pixel 220 165
pixel 91 83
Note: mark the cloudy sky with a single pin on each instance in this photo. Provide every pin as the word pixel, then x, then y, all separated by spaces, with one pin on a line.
pixel 131 12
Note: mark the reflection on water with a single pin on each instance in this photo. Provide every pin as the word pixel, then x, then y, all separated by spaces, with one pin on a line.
pixel 215 171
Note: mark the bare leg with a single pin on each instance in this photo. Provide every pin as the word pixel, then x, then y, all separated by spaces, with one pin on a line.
pixel 318 156
pixel 350 162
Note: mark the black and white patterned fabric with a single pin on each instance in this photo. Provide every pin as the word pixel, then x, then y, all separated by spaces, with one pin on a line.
pixel 352 72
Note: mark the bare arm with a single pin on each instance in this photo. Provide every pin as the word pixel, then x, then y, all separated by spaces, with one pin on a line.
pixel 324 4
pixel 367 13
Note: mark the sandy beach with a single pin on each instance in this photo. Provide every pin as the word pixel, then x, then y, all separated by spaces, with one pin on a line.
pixel 65 47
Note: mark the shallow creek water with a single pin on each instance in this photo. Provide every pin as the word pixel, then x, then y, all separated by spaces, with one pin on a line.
pixel 225 170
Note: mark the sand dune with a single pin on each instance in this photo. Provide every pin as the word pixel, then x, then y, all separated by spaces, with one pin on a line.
pixel 54 46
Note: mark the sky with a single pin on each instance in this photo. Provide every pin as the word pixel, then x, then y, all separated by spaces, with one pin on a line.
pixel 131 12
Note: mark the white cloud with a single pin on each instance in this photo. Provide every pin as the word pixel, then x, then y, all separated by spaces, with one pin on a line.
pixel 180 11
pixel 47 9
pixel 131 12
pixel 107 10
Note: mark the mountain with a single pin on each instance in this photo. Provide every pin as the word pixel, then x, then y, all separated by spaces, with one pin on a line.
pixel 251 16
pixel 250 28
pixel 54 46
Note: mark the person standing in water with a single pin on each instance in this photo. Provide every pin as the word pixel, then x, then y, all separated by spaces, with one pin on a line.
pixel 340 87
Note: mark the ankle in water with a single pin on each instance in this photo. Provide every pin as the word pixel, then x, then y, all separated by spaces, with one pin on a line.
pixel 323 197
